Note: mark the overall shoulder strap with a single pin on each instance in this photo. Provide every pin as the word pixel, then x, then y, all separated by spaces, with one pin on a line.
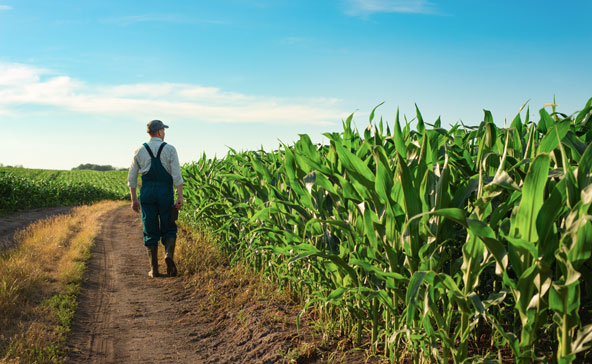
pixel 149 151
pixel 160 150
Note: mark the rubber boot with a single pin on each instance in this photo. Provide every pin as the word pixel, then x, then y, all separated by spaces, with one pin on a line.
pixel 169 246
pixel 153 257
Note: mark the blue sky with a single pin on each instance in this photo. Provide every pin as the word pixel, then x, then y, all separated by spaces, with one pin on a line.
pixel 80 80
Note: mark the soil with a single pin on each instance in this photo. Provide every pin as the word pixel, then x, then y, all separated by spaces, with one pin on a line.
pixel 126 317
pixel 11 224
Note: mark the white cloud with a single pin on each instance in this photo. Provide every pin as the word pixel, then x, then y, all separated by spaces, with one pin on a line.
pixel 12 74
pixel 22 85
pixel 5 7
pixel 366 7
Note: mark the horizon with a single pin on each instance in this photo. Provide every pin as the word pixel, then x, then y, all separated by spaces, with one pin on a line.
pixel 79 85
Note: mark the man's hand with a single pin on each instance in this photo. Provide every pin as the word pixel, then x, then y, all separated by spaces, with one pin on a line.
pixel 135 203
pixel 135 206
pixel 179 203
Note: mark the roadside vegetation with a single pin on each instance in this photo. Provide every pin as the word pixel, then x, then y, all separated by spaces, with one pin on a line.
pixel 426 245
pixel 24 188
pixel 39 282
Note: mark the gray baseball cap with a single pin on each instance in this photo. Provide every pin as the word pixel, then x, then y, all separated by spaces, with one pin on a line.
pixel 155 125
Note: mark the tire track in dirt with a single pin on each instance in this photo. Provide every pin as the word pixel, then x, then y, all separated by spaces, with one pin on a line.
pixel 101 344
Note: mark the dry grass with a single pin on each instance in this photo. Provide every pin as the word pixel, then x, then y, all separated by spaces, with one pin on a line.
pixel 39 281
pixel 209 269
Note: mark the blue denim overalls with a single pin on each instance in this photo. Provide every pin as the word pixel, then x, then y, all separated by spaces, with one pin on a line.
pixel 156 201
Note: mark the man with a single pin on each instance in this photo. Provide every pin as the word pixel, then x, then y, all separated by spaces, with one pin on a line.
pixel 158 164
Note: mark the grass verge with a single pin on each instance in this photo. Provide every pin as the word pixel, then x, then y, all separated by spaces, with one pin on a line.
pixel 39 283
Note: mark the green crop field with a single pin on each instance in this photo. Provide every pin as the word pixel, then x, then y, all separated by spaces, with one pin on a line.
pixel 434 244
pixel 23 188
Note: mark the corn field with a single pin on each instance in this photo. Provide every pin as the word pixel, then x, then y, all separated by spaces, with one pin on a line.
pixel 427 245
pixel 23 188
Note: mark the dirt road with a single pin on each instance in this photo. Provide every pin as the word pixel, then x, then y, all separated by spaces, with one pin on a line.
pixel 125 317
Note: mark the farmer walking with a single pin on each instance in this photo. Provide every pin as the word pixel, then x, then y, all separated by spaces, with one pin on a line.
pixel 158 164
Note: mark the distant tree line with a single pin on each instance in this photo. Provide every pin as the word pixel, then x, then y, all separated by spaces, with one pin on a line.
pixel 96 167
pixel 9 166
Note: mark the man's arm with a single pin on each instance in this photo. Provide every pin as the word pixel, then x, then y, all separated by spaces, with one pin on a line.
pixel 174 166
pixel 132 182
pixel 177 178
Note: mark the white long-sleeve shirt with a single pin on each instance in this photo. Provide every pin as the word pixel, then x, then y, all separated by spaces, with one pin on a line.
pixel 142 160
